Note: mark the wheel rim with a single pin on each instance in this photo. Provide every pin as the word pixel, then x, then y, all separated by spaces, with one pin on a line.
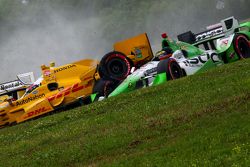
pixel 118 67
pixel 175 70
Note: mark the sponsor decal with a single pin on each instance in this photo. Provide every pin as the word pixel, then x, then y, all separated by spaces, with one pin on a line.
pixel 69 90
pixel 224 43
pixel 10 85
pixel 138 53
pixel 130 84
pixel 36 112
pixel 46 73
pixel 30 99
pixel 200 60
pixel 65 68
pixel 209 34
pixel 150 71
pixel 35 92
pixel 232 55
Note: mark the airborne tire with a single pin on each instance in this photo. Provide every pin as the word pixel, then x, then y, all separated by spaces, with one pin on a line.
pixel 171 68
pixel 114 66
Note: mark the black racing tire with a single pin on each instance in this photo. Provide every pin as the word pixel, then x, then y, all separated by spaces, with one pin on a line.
pixel 109 87
pixel 241 46
pixel 114 66
pixel 104 87
pixel 171 68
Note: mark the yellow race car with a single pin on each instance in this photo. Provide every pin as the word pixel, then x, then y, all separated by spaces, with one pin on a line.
pixel 78 81
pixel 57 87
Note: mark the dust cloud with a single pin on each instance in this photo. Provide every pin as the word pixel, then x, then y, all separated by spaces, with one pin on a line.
pixel 48 34
pixel 35 32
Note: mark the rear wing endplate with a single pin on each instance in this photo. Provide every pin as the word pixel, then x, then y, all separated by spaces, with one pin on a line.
pixel 226 27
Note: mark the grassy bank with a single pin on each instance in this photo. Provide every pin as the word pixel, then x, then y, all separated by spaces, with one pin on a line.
pixel 201 120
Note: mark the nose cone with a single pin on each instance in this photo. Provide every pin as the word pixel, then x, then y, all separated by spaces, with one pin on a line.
pixel 127 85
pixel 3 115
pixel 122 88
pixel 3 105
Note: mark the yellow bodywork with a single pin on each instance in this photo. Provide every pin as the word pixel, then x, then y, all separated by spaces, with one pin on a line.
pixel 19 93
pixel 3 98
pixel 66 84
pixel 137 49
pixel 57 87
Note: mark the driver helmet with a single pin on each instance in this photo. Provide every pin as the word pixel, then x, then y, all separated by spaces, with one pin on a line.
pixel 164 53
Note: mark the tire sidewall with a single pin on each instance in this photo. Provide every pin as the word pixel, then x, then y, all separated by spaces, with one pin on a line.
pixel 105 72
pixel 104 87
pixel 172 63
pixel 166 66
pixel 237 38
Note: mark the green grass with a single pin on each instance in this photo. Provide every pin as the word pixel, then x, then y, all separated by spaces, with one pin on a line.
pixel 200 120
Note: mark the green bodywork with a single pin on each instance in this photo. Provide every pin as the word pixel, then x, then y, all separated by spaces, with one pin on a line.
pixel 227 52
pixel 229 49
pixel 160 78
pixel 131 82
pixel 192 51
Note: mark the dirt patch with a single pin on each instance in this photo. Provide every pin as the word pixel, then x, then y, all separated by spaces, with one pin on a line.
pixel 134 143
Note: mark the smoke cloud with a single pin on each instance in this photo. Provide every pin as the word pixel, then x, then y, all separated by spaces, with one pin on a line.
pixel 47 34
pixel 35 32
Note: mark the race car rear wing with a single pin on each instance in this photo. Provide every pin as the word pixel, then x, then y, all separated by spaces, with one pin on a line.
pixel 133 45
pixel 23 80
pixel 226 27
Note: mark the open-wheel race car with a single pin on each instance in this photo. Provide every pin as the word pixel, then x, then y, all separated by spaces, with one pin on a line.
pixel 161 70
pixel 57 87
pixel 230 39
pixel 115 66
pixel 75 82
pixel 175 60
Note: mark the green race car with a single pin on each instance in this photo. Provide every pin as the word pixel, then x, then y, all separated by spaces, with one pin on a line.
pixel 175 60
pixel 230 39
